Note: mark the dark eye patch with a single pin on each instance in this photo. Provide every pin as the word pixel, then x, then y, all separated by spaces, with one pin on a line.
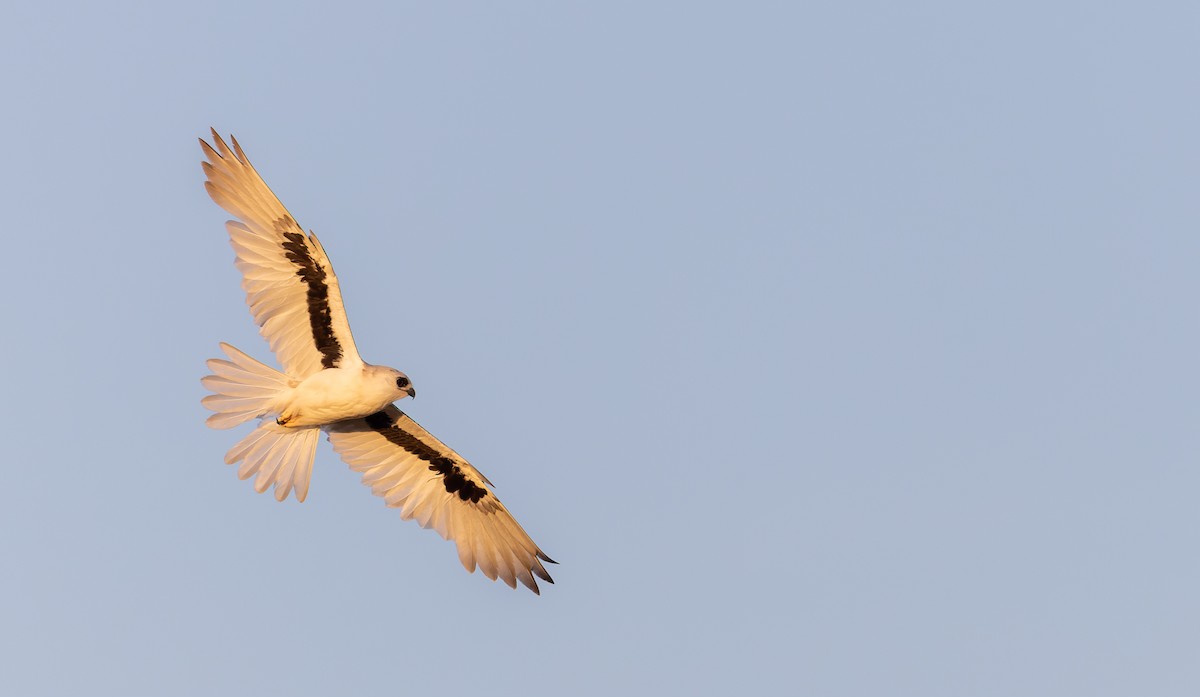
pixel 402 383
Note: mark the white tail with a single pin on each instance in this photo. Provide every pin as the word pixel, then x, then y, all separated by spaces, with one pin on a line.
pixel 278 455
pixel 245 389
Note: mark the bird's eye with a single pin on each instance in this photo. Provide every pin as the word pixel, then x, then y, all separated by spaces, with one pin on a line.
pixel 402 383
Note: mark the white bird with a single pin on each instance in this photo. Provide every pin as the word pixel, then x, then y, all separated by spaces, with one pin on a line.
pixel 325 386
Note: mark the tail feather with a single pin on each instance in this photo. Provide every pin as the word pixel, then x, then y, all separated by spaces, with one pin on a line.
pixel 279 456
pixel 244 389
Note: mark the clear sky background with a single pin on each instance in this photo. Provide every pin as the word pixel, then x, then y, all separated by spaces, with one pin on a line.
pixel 832 348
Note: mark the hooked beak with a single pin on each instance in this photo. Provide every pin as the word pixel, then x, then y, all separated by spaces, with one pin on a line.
pixel 412 392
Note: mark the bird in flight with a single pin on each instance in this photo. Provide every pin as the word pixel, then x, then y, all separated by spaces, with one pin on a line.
pixel 325 386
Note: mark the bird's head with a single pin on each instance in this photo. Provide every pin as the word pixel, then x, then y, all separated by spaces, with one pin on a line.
pixel 388 383
pixel 404 386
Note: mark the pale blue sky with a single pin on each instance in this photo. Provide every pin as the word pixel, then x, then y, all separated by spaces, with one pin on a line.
pixel 832 348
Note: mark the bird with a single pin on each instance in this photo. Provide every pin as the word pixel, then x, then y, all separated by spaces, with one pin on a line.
pixel 325 386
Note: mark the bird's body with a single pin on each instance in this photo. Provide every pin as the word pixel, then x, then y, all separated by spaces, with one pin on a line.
pixel 325 386
pixel 337 394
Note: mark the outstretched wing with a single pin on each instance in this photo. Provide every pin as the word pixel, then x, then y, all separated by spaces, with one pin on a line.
pixel 434 485
pixel 289 282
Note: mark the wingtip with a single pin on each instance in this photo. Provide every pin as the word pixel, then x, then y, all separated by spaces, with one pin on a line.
pixel 532 583
pixel 219 145
pixel 209 152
